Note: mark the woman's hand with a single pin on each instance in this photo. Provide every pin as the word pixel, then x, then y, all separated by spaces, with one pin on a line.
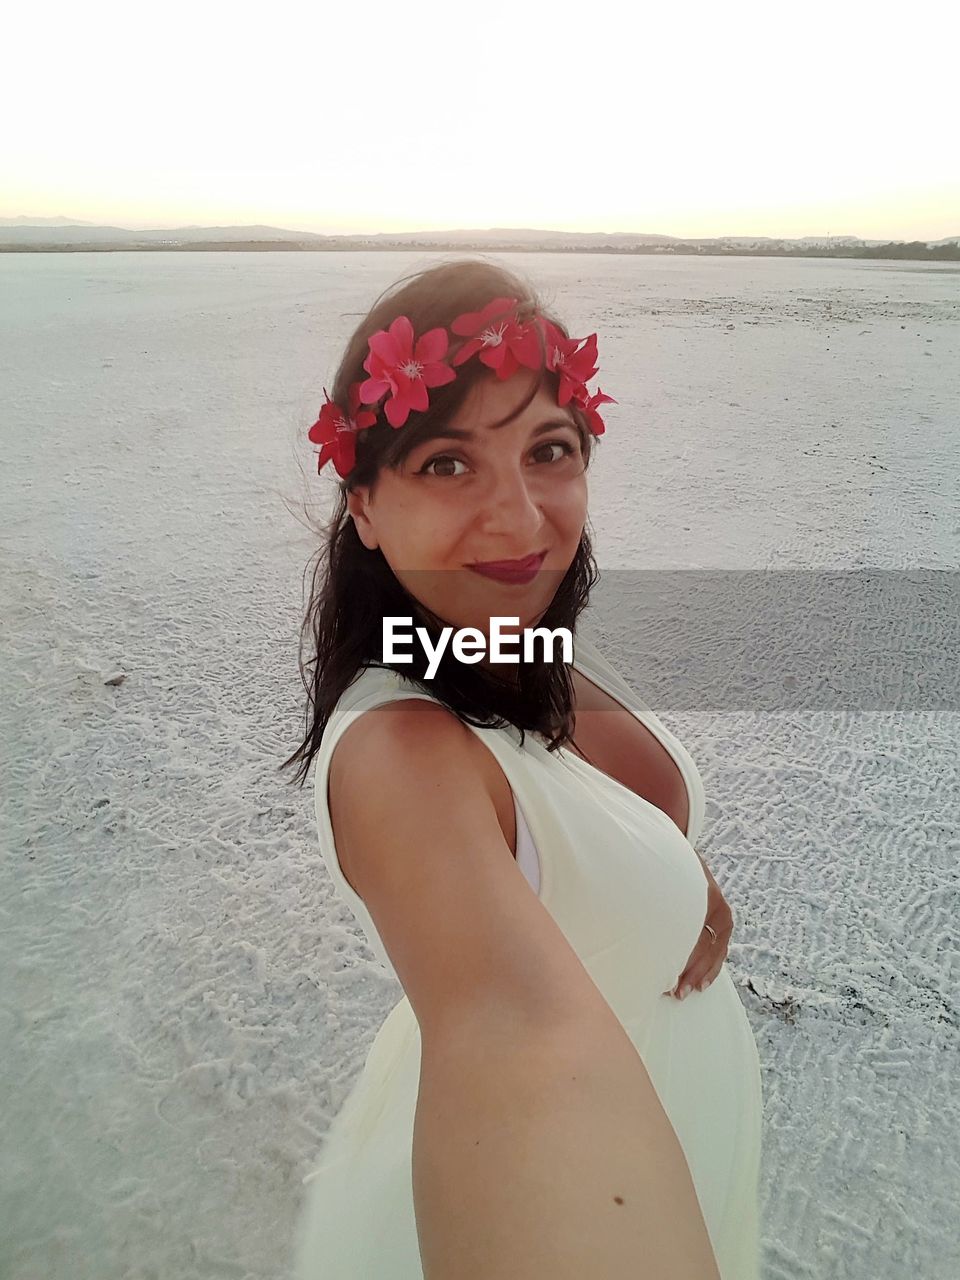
pixel 709 953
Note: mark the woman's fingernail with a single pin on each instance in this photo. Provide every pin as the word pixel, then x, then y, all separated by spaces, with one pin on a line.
pixel 683 991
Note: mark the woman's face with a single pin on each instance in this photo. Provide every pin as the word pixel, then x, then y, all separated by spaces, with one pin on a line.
pixel 506 493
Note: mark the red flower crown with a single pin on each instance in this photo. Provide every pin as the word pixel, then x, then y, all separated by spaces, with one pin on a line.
pixel 402 368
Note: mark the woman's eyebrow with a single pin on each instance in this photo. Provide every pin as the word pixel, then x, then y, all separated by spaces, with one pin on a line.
pixel 459 433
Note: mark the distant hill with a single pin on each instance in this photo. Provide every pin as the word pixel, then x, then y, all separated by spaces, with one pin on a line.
pixel 60 235
pixel 42 222
pixel 85 234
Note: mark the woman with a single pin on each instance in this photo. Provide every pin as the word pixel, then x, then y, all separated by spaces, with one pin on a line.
pixel 541 1102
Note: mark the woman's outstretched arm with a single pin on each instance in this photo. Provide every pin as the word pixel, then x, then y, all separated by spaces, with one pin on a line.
pixel 540 1148
pixel 546 1156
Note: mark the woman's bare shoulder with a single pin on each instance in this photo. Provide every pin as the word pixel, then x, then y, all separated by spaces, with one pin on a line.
pixel 419 727
pixel 425 732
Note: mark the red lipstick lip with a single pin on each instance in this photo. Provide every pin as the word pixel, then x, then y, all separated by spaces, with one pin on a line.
pixel 518 572
pixel 511 566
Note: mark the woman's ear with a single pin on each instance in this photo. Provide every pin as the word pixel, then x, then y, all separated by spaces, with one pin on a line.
pixel 358 501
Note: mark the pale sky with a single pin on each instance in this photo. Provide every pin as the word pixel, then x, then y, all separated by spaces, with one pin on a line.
pixel 748 118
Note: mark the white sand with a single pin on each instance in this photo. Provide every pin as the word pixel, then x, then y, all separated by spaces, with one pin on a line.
pixel 185 1002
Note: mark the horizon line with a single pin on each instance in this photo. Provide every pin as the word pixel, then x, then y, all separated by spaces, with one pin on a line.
pixel 61 221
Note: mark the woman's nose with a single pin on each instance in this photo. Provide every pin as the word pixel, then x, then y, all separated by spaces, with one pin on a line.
pixel 512 501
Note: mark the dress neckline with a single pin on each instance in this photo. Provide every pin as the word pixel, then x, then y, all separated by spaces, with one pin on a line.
pixel 591 673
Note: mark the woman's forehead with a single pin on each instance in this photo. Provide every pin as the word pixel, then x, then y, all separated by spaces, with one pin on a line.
pixel 491 399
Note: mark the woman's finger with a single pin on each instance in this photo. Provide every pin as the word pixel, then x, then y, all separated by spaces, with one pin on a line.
pixel 712 973
pixel 695 980
pixel 702 967
pixel 693 974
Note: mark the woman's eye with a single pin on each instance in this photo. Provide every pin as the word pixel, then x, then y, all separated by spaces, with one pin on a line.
pixel 566 450
pixel 562 444
pixel 441 457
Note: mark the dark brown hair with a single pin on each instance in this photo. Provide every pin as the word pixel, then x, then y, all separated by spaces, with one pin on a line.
pixel 354 588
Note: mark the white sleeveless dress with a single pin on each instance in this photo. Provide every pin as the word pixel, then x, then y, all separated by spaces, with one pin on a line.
pixel 628 891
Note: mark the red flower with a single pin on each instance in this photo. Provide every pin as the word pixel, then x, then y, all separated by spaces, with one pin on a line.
pixel 574 366
pixel 337 431
pixel 405 370
pixel 402 369
pixel 504 344
pixel 587 404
